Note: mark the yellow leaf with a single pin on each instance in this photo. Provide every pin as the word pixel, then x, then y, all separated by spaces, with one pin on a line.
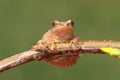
pixel 111 51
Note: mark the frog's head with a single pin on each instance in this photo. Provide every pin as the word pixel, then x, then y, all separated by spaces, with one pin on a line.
pixel 58 24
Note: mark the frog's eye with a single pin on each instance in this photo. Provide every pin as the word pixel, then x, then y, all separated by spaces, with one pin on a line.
pixel 55 23
pixel 70 23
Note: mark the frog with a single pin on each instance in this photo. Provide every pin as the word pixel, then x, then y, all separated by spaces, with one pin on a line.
pixel 60 32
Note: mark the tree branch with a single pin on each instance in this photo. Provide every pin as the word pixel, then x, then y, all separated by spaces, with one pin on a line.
pixel 83 47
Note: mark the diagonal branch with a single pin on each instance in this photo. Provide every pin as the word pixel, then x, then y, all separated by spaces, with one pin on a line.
pixel 83 47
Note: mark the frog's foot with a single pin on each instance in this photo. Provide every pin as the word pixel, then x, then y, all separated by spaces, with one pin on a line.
pixel 54 45
pixel 75 42
pixel 40 45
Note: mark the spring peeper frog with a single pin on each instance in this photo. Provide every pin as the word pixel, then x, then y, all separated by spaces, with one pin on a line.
pixel 60 32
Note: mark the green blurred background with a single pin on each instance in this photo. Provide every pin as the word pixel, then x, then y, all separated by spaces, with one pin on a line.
pixel 23 22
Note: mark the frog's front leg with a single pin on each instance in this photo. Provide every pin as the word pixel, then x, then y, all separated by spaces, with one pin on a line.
pixel 54 45
pixel 41 45
pixel 75 42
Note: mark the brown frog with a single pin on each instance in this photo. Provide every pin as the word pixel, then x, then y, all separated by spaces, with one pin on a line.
pixel 60 32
